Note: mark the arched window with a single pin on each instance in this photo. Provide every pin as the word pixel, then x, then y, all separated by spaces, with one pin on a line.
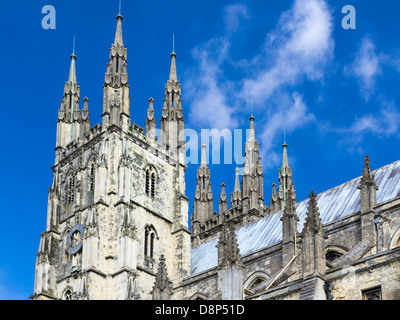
pixel 332 254
pixel 153 185
pixel 92 173
pixel 256 283
pixel 253 281
pixel 149 241
pixel 150 183
pixel 70 189
pixel 68 295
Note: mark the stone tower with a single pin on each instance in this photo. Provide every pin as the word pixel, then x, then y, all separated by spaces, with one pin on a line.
pixel 117 206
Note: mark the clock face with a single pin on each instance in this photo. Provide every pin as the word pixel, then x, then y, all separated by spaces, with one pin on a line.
pixel 75 239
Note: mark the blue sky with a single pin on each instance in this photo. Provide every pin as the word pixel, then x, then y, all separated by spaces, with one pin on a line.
pixel 335 91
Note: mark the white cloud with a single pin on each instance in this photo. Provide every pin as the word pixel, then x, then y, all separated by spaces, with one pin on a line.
pixel 292 116
pixel 300 46
pixel 233 14
pixel 365 67
pixel 205 89
pixel 384 123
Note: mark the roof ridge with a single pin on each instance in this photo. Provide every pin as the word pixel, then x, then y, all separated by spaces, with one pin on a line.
pixel 348 181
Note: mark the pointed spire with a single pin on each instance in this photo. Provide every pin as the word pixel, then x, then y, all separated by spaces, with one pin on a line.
pixel 151 100
pixel 285 160
pixel 252 135
pixel 367 178
pixel 367 188
pixel 85 110
pixel 289 209
pixel 237 183
pixel 313 220
pixel 162 289
pixel 203 156
pixel 228 248
pixel 286 184
pixel 116 74
pixel 150 111
pixel 236 195
pixel 118 33
pixel 223 202
pixel 72 70
pixel 274 189
pixel 223 194
pixel 172 74
pixel 285 165
pixel 150 123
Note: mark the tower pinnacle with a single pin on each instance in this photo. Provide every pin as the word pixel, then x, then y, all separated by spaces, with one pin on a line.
pixel 286 185
pixel 116 102
pixel 172 74
pixel 118 33
pixel 203 156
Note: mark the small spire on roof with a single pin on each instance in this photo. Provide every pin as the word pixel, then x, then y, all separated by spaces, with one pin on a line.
pixel 252 135
pixel 72 71
pixel 203 155
pixel 172 74
pixel 285 160
pixel 73 47
pixel 118 33
pixel 237 183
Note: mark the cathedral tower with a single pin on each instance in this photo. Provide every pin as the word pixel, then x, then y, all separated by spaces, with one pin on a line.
pixel 117 209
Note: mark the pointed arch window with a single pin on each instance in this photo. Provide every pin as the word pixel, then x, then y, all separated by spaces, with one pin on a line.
pixel 332 255
pixel 68 295
pixel 150 181
pixel 70 189
pixel 92 172
pixel 149 241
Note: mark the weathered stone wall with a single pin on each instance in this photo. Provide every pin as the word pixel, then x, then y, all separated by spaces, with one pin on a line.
pixel 380 270
pixel 166 212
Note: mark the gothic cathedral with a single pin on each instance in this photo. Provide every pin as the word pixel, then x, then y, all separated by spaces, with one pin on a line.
pixel 117 217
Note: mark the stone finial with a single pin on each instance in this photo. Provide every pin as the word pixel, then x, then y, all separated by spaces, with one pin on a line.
pixel 133 292
pixel 151 100
pixel 289 205
pixel 367 177
pixel 118 33
pixel 228 248
pixel 236 195
pixel 128 227
pixel 85 110
pixel 223 202
pixel 162 289
pixel 313 220
pixel 203 155
pixel 223 193
pixel 313 247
